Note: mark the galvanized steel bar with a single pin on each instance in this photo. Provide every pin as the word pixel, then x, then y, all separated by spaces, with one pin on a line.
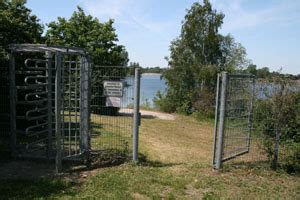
pixel 76 119
pixel 58 66
pixel 69 105
pixel 84 104
pixel 13 98
pixel 136 114
pixel 219 148
pixel 250 119
pixel 216 119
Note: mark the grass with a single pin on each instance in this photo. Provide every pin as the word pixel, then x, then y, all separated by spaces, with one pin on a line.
pixel 175 164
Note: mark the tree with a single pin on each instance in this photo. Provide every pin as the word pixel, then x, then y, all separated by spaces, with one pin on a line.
pixel 131 68
pixel 277 120
pixel 100 40
pixel 233 54
pixel 252 69
pixel 17 24
pixel 84 31
pixel 263 72
pixel 196 56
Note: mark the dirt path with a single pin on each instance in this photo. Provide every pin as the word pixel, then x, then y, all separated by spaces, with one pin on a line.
pixel 159 115
pixel 151 114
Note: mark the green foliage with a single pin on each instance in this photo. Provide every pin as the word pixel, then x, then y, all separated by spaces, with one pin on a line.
pixel 157 70
pixel 17 24
pixel 263 72
pixel 290 151
pixel 84 31
pixel 131 68
pixel 163 103
pixel 133 65
pixel 100 40
pixel 197 55
pixel 280 112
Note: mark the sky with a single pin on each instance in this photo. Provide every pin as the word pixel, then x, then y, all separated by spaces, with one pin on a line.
pixel 269 29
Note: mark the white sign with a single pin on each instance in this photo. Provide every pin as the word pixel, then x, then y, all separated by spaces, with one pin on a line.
pixel 113 88
pixel 113 102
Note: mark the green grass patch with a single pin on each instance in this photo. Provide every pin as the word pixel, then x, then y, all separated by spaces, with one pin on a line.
pixel 177 165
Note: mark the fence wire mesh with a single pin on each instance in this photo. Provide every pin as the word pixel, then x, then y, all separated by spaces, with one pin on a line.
pixel 71 135
pixel 111 110
pixel 238 117
pixel 270 133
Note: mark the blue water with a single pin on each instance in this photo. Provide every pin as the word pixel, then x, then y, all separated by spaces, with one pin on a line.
pixel 150 84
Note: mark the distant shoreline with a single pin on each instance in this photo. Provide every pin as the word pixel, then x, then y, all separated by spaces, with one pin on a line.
pixel 150 74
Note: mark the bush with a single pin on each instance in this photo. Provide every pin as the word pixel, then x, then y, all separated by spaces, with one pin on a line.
pixel 289 154
pixel 204 103
pixel 164 103
pixel 280 112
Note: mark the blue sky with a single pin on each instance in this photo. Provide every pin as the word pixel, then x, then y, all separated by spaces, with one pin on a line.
pixel 269 29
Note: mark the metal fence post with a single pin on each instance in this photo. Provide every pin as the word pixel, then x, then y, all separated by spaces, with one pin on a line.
pixel 13 98
pixel 58 66
pixel 216 119
pixel 220 140
pixel 250 118
pixel 84 104
pixel 136 114
pixel 49 90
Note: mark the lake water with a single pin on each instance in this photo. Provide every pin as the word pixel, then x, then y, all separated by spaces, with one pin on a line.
pixel 150 84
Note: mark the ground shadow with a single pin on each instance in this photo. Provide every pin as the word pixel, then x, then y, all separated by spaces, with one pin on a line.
pixel 21 178
pixel 32 189
pixel 113 158
pixel 144 116
pixel 246 165
pixel 30 179
pixel 145 161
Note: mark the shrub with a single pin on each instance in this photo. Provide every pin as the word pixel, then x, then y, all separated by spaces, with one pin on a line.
pixel 280 112
pixel 164 103
pixel 204 103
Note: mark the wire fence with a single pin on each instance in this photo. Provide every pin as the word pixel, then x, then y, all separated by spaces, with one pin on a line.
pixel 110 107
pixel 111 111
pixel 261 123
pixel 238 118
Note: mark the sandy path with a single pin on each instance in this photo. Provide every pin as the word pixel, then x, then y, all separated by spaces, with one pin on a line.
pixel 150 114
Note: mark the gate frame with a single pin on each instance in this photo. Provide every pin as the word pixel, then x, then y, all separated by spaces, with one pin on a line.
pixel 220 116
pixel 58 52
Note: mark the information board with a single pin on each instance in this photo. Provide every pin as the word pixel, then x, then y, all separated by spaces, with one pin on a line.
pixel 113 88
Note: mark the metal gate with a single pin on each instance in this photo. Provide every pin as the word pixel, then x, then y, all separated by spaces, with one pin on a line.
pixel 49 102
pixel 233 117
pixel 63 108
pixel 112 111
